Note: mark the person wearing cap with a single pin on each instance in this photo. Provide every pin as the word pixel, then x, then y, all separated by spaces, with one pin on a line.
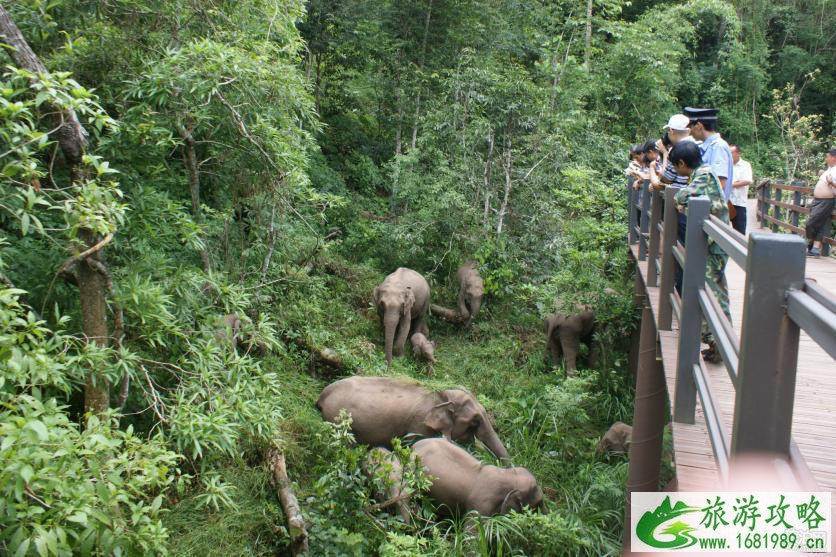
pixel 715 151
pixel 740 189
pixel 677 127
pixel 821 210
pixel 687 160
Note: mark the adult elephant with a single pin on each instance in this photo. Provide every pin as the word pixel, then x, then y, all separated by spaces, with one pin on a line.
pixel 383 408
pixel 471 291
pixel 462 483
pixel 402 301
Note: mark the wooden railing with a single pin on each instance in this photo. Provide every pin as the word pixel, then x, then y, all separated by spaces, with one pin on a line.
pixel 778 304
pixel 787 203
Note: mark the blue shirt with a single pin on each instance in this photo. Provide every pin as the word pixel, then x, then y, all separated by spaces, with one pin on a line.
pixel 716 153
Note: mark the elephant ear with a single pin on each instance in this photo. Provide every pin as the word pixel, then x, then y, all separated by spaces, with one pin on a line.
pixel 408 301
pixel 513 500
pixel 440 418
pixel 375 294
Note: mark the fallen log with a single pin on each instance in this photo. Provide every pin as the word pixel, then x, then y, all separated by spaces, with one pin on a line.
pixel 447 314
pixel 290 504
pixel 319 355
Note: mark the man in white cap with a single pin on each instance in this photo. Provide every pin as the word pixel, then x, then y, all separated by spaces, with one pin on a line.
pixel 677 127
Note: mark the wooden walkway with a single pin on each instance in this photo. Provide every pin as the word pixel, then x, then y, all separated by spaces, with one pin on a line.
pixel 814 417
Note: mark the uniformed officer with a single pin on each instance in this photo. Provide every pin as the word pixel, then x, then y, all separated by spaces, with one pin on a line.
pixel 687 161
pixel 714 149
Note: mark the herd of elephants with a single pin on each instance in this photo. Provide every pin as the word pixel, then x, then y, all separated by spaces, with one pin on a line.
pixel 386 408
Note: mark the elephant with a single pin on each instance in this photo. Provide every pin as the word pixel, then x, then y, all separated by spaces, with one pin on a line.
pixel 564 333
pixel 471 291
pixel 383 408
pixel 228 330
pixel 617 439
pixel 380 460
pixel 402 301
pixel 462 483
pixel 423 348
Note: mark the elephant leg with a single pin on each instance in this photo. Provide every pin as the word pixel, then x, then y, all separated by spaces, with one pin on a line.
pixel 463 309
pixel 553 348
pixel 570 344
pixel 420 326
pixel 403 333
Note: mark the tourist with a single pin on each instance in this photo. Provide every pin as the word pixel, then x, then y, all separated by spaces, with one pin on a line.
pixel 687 160
pixel 714 149
pixel 818 223
pixel 740 189
pixel 677 127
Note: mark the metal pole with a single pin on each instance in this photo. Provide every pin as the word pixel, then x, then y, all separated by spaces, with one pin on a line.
pixel 768 345
pixel 696 251
pixel 668 264
pixel 655 216
pixel 776 211
pixel 797 203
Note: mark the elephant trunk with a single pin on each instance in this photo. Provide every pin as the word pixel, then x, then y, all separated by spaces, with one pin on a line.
pixel 390 323
pixel 488 436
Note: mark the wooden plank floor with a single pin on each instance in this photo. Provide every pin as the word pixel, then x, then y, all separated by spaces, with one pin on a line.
pixel 814 417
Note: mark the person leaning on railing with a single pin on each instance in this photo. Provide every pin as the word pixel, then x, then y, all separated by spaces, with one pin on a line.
pixel 687 161
pixel 818 224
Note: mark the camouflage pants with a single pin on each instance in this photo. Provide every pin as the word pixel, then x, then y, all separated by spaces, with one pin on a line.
pixel 715 279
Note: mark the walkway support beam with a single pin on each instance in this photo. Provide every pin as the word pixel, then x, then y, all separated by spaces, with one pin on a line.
pixel 768 344
pixel 648 415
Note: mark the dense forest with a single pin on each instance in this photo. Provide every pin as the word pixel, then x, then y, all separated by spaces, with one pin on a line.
pixel 200 196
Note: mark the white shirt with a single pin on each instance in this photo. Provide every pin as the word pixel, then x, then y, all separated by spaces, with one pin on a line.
pixel 823 189
pixel 742 171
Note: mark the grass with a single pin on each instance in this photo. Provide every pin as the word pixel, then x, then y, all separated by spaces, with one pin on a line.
pixel 550 424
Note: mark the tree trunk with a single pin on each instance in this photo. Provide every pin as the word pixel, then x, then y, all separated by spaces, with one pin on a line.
pixel 271 243
pixel 92 290
pixel 190 159
pixel 421 67
pixel 487 181
pixel 503 209
pixel 92 285
pixel 290 504
pixel 588 42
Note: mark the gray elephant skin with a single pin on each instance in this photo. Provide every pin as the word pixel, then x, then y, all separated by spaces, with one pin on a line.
pixel 383 408
pixel 564 334
pixel 471 291
pixel 617 439
pixel 402 301
pixel 422 347
pixel 382 461
pixel 462 483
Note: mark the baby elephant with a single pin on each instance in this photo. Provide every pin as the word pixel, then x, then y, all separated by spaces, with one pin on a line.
pixel 564 333
pixel 471 291
pixel 423 348
pixel 617 439
pixel 462 483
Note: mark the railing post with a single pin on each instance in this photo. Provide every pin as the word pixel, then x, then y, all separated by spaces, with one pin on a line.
pixel 776 211
pixel 631 211
pixel 645 218
pixel 696 252
pixel 796 200
pixel 668 264
pixel 653 247
pixel 767 195
pixel 768 345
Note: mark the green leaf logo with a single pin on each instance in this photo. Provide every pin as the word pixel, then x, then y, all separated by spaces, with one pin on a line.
pixel 681 531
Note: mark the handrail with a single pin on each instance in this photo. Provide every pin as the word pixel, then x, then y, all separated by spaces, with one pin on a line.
pixel 770 195
pixel 778 304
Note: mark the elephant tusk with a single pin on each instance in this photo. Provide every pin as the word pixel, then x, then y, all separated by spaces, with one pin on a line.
pixel 443 404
